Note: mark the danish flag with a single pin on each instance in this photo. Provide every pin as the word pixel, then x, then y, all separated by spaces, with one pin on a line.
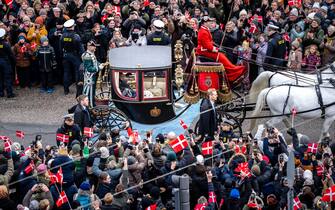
pixel 252 28
pixel 56 178
pixel 62 137
pixel 242 149
pixel 294 112
pixel 4 138
pixel 211 197
pixel 329 194
pixel 152 207
pixel 23 49
pixel 291 3
pixel 207 148
pixel 259 19
pixel 313 148
pixel 26 151
pixel 88 132
pixel 62 199
pixel 29 168
pixel 296 203
pixel 221 203
pixel 146 3
pixel 286 37
pixel 243 167
pixel 20 134
pixel 9 3
pixel 200 206
pixel 182 123
pixel 179 143
pixel 33 45
pixel 319 170
pixel 7 146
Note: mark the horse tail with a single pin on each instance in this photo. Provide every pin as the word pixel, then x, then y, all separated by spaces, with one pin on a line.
pixel 261 100
pixel 261 82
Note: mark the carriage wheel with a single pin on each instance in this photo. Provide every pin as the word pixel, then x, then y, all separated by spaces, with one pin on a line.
pixel 106 118
pixel 223 115
pixel 235 108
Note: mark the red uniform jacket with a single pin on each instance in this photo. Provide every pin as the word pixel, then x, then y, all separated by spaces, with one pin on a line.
pixel 206 48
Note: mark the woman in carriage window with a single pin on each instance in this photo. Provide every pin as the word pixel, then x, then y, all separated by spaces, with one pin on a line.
pixel 125 88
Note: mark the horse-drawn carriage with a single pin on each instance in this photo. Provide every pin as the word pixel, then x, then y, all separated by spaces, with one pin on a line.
pixel 141 85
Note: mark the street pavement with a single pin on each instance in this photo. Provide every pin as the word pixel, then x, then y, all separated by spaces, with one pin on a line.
pixel 41 113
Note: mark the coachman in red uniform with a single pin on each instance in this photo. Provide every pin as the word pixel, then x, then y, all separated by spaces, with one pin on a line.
pixel 207 49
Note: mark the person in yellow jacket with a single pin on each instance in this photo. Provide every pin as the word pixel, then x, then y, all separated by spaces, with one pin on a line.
pixel 35 32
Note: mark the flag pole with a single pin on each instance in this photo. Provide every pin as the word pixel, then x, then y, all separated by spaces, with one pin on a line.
pixel 68 202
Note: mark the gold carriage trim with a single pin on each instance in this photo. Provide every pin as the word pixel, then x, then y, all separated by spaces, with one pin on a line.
pixel 191 99
pixel 207 68
pixel 225 97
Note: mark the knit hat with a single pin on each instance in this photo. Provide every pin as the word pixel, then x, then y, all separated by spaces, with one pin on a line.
pixel 44 39
pixel 324 8
pixel 160 138
pixel 316 5
pixel 294 12
pixel 41 168
pixel 85 185
pixel 131 160
pixel 243 12
pixel 311 15
pixel 296 43
pixel 39 20
pixel 171 156
pixel 318 20
pixel 76 149
pixel 104 152
pixel 234 194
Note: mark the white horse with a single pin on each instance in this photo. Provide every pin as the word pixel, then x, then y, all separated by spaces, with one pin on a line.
pixel 302 98
pixel 269 79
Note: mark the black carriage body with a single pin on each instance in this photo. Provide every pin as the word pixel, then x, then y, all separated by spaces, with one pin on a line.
pixel 141 83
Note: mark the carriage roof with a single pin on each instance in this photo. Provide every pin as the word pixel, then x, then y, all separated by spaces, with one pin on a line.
pixel 143 57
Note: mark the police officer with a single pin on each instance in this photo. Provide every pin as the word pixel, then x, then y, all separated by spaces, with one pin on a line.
pixel 158 37
pixel 275 53
pixel 6 56
pixel 72 47
pixel 71 129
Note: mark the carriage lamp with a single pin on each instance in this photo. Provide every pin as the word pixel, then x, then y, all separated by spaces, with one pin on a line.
pixel 179 76
pixel 178 51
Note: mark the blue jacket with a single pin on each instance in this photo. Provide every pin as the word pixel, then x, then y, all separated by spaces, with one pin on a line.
pixel 67 165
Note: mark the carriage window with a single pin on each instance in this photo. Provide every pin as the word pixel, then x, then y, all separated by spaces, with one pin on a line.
pixel 154 84
pixel 127 86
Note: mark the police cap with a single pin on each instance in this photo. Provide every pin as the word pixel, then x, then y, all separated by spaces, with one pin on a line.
pixel 2 32
pixel 69 23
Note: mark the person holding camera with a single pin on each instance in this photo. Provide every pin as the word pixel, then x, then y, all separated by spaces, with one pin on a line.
pixel 38 192
pixel 273 145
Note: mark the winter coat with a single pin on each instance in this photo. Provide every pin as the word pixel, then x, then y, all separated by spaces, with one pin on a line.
pixel 329 51
pixel 318 37
pixel 295 59
pixel 73 132
pixel 113 173
pixel 217 12
pixel 46 58
pixel 22 54
pixel 120 201
pixel 261 53
pixel 272 151
pixel 7 204
pixel 68 168
pixel 135 170
pixel 37 38
pixel 311 62
pixel 82 117
pixel 294 34
pixel 30 196
pixel 70 191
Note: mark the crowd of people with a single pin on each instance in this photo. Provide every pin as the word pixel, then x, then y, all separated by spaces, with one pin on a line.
pixel 43 44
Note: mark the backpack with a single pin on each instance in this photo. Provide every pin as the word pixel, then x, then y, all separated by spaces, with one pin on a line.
pixel 84 201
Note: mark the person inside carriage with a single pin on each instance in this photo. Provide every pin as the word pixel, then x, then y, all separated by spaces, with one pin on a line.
pixel 207 49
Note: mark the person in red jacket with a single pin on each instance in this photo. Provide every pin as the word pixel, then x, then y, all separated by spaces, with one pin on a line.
pixel 207 49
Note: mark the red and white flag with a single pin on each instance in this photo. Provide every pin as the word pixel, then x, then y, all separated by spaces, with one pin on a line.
pixel 242 149
pixel 183 124
pixel 4 138
pixel 88 132
pixel 200 206
pixel 211 197
pixel 253 28
pixel 207 148
pixel 286 37
pixel 243 168
pixel 312 148
pixel 294 112
pixel 62 137
pixel 329 194
pixel 20 134
pixel 152 207
pixel 62 199
pixel 221 203
pixel 33 46
pixel 296 203
pixel 291 3
pixel 56 178
pixel 146 3
pixel 8 146
pixel 9 3
pixel 179 143
pixel 319 170
pixel 26 151
pixel 29 168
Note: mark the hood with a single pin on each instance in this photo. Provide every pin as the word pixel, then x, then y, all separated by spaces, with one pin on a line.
pixel 301 24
